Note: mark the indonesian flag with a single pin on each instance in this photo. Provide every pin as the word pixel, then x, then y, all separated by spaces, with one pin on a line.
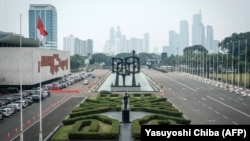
pixel 41 32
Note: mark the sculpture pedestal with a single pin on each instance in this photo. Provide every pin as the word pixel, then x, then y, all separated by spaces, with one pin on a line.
pixel 125 116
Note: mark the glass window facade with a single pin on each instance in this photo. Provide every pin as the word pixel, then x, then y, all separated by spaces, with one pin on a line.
pixel 48 15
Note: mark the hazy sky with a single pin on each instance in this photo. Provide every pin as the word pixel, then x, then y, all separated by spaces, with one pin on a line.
pixel 92 19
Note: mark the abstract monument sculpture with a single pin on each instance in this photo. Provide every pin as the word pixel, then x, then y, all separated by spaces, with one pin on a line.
pixel 124 67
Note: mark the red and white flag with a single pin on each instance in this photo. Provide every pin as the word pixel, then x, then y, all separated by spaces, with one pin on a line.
pixel 41 32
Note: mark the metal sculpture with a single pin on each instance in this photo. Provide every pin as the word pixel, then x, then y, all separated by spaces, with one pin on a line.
pixel 124 67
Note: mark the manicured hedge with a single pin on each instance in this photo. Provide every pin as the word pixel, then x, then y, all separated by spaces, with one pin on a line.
pixel 93 134
pixel 136 124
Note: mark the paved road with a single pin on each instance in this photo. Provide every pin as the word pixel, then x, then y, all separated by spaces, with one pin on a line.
pixel 201 102
pixel 52 120
pixel 55 108
pixel 10 127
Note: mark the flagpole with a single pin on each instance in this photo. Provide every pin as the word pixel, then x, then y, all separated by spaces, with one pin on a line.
pixel 239 65
pixel 246 65
pixel 233 66
pixel 222 52
pixel 227 66
pixel 21 89
pixel 40 109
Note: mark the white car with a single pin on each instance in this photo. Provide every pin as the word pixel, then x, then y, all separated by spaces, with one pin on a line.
pixel 86 82
pixel 17 105
pixel 24 103
pixel 6 112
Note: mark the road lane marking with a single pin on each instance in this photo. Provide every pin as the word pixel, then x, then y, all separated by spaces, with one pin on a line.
pixel 210 108
pixel 235 123
pixel 217 112
pixel 225 117
pixel 229 106
pixel 221 98
pixel 182 84
pixel 203 98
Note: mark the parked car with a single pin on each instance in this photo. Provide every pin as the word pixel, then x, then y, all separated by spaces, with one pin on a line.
pixel 12 108
pixel 17 105
pixel 29 99
pixel 86 82
pixel 6 112
pixel 24 103
pixel 36 98
pixel 1 116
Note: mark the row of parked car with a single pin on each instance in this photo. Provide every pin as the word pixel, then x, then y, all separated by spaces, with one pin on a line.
pixel 11 104
pixel 66 81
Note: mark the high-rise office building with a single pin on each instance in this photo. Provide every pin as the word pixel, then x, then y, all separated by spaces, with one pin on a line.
pixel 48 14
pixel 146 43
pixel 118 33
pixel 73 45
pixel 112 35
pixel 184 35
pixel 89 47
pixel 77 46
pixel 173 43
pixel 198 30
pixel 210 38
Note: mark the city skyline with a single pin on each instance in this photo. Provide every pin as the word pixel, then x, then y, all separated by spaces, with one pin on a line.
pixel 92 19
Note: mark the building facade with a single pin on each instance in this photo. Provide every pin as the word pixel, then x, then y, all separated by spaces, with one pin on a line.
pixel 33 61
pixel 173 43
pixel 77 46
pixel 184 35
pixel 210 38
pixel 146 43
pixel 48 14
pixel 198 30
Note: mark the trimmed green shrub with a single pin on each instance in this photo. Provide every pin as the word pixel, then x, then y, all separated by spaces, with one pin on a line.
pixel 160 119
pixel 93 133
pixel 94 126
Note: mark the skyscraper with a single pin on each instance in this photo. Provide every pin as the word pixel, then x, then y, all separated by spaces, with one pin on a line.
pixel 198 30
pixel 146 43
pixel 77 46
pixel 210 38
pixel 89 47
pixel 112 35
pixel 118 33
pixel 184 35
pixel 173 43
pixel 48 14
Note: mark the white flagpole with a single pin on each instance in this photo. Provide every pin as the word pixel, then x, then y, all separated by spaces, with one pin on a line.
pixel 217 64
pixel 227 66
pixel 21 89
pixel 222 53
pixel 40 109
pixel 246 65
pixel 239 65
pixel 233 66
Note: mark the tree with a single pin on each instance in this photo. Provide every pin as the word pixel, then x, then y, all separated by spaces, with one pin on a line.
pixel 76 62
pixel 101 58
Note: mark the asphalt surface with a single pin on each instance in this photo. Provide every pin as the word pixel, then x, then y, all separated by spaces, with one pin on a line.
pixel 52 120
pixel 55 108
pixel 200 102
